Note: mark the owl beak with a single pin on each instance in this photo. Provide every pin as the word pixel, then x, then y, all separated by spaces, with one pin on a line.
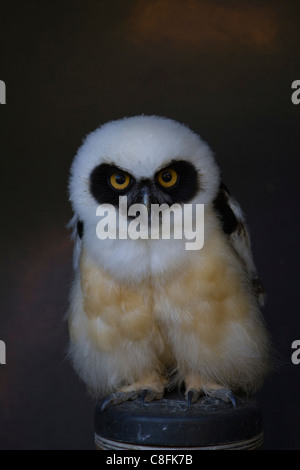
pixel 145 199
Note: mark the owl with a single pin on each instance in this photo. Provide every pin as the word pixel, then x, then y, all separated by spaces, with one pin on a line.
pixel 147 314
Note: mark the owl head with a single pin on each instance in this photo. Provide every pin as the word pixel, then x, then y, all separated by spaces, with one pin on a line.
pixel 149 159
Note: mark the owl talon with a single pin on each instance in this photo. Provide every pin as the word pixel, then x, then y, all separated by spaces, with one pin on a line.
pixel 191 397
pixel 148 394
pixel 143 396
pixel 106 402
pixel 117 398
pixel 225 395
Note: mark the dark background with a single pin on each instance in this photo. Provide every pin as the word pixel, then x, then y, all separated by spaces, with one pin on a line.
pixel 224 68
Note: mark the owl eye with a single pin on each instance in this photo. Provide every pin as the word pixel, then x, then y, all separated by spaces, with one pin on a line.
pixel 167 178
pixel 119 181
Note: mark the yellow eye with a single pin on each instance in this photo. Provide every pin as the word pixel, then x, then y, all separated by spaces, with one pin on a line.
pixel 167 178
pixel 119 181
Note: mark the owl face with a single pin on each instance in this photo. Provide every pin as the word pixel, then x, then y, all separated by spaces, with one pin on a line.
pixel 149 159
pixel 176 183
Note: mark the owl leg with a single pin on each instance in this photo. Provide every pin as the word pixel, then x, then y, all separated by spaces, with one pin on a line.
pixel 196 387
pixel 151 388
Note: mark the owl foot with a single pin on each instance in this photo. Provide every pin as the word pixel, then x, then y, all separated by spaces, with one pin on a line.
pixel 145 395
pixel 118 397
pixel 223 394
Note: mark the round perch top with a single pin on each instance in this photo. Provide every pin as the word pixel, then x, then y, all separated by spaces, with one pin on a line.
pixel 209 423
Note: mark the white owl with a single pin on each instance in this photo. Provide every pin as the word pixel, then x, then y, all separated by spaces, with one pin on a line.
pixel 148 314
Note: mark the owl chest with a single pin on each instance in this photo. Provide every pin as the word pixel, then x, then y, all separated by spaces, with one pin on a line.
pixel 199 299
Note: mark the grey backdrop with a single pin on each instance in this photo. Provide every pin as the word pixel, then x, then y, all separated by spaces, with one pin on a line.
pixel 223 68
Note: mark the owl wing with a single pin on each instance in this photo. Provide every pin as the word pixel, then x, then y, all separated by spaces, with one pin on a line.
pixel 77 227
pixel 233 222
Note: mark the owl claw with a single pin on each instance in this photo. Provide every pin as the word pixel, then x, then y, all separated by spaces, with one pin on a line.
pixel 117 398
pixel 191 397
pixel 147 394
pixel 143 396
pixel 106 402
pixel 224 394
